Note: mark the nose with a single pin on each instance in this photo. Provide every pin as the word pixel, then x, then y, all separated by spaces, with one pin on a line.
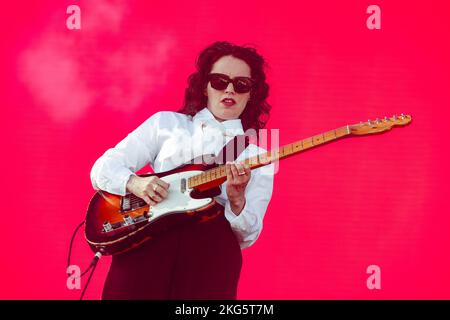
pixel 229 88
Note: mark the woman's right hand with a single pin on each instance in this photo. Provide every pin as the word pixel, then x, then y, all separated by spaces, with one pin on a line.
pixel 151 189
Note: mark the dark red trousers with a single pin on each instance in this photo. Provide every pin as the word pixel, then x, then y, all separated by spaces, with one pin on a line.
pixel 201 260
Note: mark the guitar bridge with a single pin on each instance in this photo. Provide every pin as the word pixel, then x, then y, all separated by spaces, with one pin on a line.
pixel 107 226
pixel 128 220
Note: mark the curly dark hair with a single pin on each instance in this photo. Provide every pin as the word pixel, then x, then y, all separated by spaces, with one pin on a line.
pixel 256 112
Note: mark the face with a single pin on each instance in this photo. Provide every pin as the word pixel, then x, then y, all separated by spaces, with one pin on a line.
pixel 219 102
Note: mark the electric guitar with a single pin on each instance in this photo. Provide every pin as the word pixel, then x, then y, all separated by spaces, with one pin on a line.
pixel 116 224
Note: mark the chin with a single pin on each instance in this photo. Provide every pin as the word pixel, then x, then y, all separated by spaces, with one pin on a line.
pixel 229 115
pixel 224 113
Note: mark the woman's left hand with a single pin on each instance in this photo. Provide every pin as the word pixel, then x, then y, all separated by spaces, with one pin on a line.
pixel 238 176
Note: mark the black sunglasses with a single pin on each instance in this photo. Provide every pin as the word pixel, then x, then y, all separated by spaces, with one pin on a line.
pixel 220 81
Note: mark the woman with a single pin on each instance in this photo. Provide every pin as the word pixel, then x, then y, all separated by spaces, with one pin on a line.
pixel 226 96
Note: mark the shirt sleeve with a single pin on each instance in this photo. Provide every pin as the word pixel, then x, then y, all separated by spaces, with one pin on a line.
pixel 113 169
pixel 248 225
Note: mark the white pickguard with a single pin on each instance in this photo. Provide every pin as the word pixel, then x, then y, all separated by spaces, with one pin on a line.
pixel 177 200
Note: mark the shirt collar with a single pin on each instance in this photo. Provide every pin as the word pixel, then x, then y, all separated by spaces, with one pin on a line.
pixel 233 127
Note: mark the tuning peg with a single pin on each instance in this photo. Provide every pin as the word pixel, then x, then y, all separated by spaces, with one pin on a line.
pixel 377 120
pixel 386 118
pixel 395 117
pixel 402 116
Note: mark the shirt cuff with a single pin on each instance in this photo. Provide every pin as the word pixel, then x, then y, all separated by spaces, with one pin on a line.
pixel 126 177
pixel 236 221
pixel 119 184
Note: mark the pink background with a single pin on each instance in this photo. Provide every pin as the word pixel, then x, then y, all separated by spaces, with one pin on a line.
pixel 68 95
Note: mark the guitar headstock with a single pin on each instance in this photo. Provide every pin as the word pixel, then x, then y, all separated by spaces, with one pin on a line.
pixel 379 125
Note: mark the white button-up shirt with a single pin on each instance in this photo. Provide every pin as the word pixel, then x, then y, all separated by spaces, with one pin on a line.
pixel 167 140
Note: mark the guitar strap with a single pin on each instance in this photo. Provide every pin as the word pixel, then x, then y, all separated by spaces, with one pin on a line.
pixel 229 152
pixel 232 149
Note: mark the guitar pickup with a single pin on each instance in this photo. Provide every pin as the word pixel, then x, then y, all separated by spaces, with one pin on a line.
pixel 131 202
pixel 125 204
pixel 140 218
pixel 107 226
pixel 183 185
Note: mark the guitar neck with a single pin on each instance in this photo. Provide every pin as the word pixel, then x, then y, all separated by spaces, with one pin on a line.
pixel 216 176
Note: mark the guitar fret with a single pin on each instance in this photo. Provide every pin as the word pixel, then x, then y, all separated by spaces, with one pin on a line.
pixel 340 132
pixel 263 158
pixel 272 156
pixel 298 146
pixel 252 161
pixel 307 143
pixel 288 149
pixel 317 140
pixel 330 135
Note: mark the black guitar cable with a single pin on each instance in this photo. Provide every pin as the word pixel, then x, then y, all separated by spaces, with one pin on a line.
pixel 92 265
pixel 71 241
